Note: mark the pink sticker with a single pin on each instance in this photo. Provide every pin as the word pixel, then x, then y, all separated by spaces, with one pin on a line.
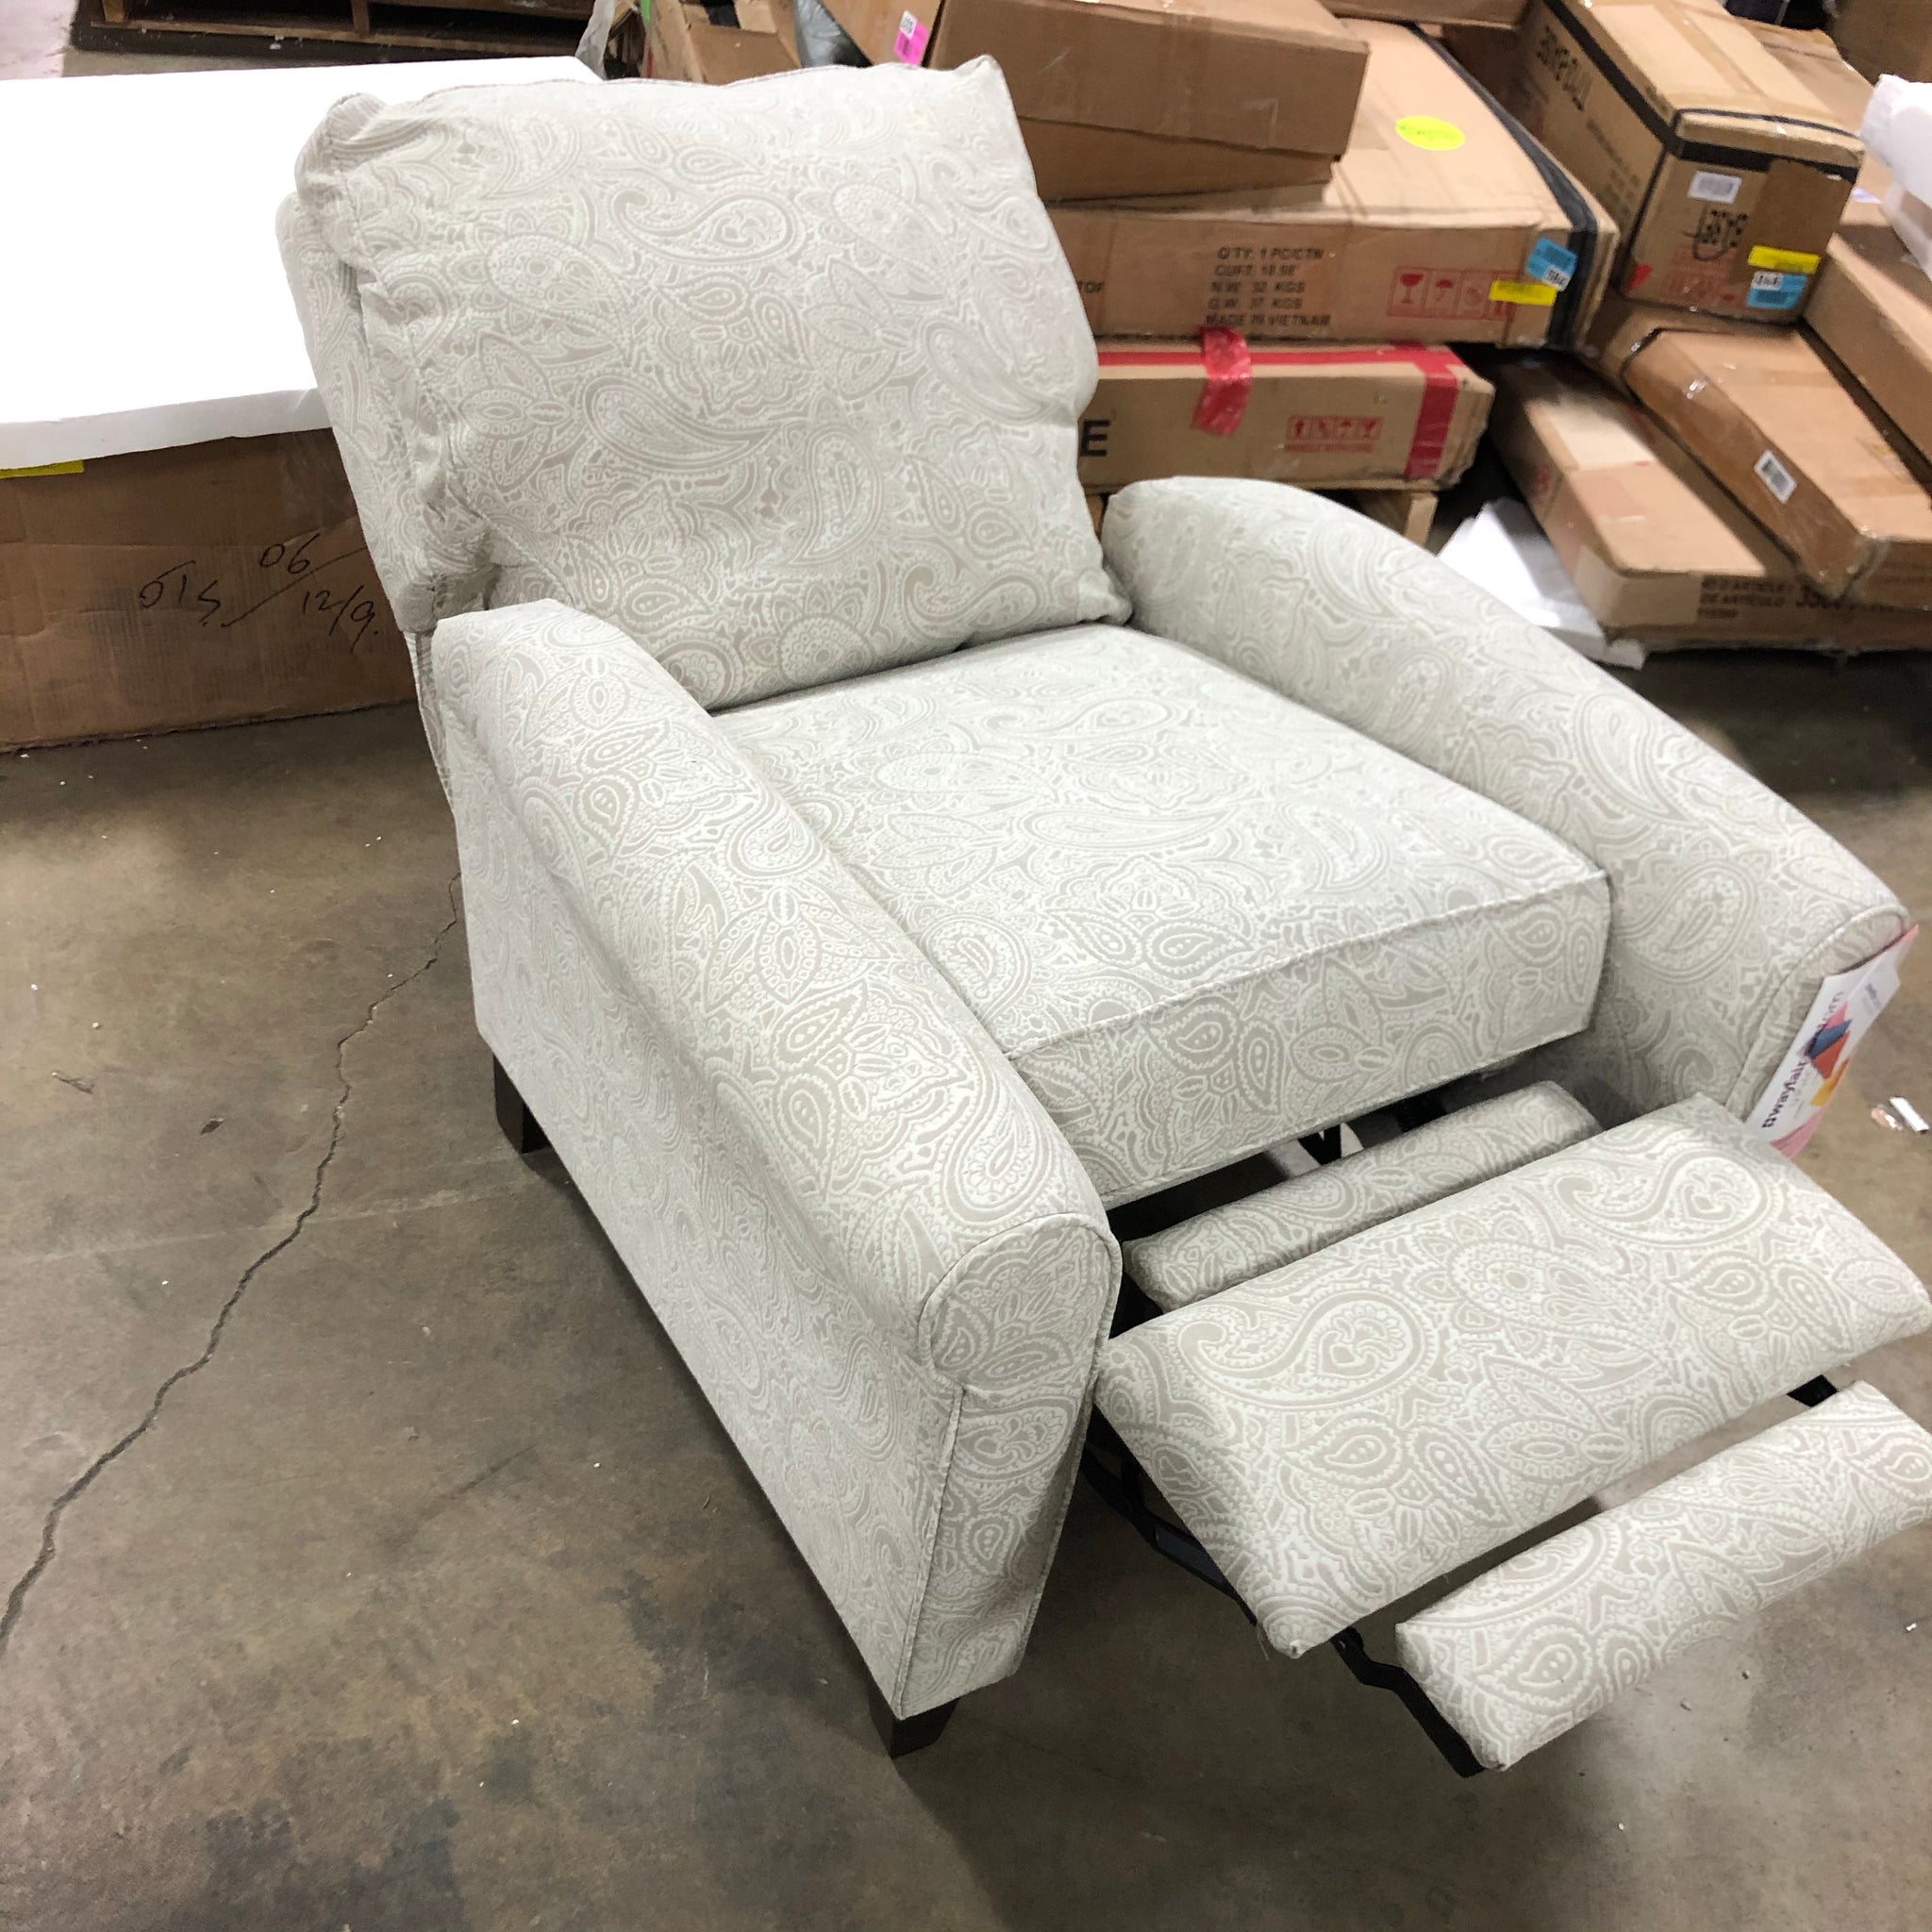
pixel 913 35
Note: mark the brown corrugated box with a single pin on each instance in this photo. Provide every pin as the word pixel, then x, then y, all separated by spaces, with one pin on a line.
pixel 1126 97
pixel 681 43
pixel 1274 74
pixel 1103 163
pixel 1657 549
pixel 1434 209
pixel 1432 12
pixel 1769 420
pixel 1621 326
pixel 1886 37
pixel 1874 311
pixel 1726 172
pixel 197 586
pixel 1377 416
pixel 1872 305
pixel 1278 74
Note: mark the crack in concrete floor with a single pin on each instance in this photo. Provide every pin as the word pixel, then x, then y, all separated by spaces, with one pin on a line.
pixel 17 1596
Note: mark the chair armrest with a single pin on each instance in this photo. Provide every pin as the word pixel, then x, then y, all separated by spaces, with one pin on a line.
pixel 1727 906
pixel 884 1129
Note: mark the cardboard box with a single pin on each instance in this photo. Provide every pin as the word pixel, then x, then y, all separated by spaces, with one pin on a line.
pixel 1073 163
pixel 1813 57
pixel 1873 305
pixel 1874 311
pixel 1769 420
pixel 1377 416
pixel 680 43
pixel 197 586
pixel 1885 37
pixel 1439 225
pixel 1723 170
pixel 1656 548
pixel 1278 74
pixel 1622 327
pixel 1432 12
pixel 1069 162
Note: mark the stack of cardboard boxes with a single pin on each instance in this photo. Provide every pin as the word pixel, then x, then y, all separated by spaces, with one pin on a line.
pixel 1280 215
pixel 1749 462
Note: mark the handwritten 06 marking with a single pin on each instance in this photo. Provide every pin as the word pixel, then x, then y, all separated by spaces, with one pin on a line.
pixel 288 561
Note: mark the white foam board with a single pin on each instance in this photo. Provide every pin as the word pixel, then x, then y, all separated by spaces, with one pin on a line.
pixel 142 297
pixel 1502 551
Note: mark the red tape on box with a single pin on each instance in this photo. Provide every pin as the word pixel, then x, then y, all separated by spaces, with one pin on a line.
pixel 1441 384
pixel 1229 368
pixel 1230 372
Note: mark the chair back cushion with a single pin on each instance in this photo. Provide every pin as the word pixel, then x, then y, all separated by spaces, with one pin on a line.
pixel 781 378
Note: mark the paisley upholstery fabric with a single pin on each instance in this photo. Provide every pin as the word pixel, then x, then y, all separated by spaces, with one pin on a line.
pixel 1196 917
pixel 869 1243
pixel 1550 1638
pixel 1727 906
pixel 1342 1430
pixel 780 378
pixel 423 575
pixel 1212 1251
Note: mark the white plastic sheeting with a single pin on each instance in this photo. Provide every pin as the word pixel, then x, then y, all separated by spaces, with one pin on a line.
pixel 144 304
pixel 1898 130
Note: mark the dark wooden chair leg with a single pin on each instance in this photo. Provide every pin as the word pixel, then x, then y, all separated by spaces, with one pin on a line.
pixel 904 1735
pixel 519 1124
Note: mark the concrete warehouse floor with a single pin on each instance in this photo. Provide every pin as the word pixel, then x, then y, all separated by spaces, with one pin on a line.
pixel 381 1568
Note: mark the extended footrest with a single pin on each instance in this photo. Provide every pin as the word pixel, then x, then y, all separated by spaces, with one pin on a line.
pixel 1201 1256
pixel 1551 1637
pixel 1342 1431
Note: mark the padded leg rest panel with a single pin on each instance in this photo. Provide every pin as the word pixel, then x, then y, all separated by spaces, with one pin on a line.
pixel 1516 1658
pixel 1212 1251
pixel 1342 1431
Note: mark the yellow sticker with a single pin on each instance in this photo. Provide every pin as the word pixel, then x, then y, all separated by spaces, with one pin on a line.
pixel 47 469
pixel 1793 260
pixel 1530 294
pixel 1429 131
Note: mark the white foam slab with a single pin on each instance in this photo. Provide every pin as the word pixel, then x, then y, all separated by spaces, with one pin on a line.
pixel 1502 551
pixel 141 298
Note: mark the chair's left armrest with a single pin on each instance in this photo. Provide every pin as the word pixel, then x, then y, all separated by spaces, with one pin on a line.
pixel 1727 906
pixel 880 1120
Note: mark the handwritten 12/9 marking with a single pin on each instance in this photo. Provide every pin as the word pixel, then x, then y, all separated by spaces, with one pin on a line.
pixel 292 563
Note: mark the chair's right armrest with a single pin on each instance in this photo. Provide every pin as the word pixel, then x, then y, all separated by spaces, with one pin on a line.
pixel 1727 906
pixel 888 1129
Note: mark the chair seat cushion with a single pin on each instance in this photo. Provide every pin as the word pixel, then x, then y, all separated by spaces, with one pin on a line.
pixel 1196 917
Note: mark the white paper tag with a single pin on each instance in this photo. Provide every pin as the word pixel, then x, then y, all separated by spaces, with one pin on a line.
pixel 1707 185
pixel 1788 1111
pixel 1774 477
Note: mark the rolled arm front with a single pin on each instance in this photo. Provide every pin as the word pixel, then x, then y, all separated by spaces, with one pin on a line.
pixel 1727 906
pixel 872 1246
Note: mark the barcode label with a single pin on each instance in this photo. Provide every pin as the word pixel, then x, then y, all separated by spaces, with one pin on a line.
pixel 1709 185
pixel 1774 477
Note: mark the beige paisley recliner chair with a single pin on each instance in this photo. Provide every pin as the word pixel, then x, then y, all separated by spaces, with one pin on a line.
pixel 885 895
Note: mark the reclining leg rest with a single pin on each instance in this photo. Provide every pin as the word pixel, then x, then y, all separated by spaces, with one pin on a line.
pixel 1340 1431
